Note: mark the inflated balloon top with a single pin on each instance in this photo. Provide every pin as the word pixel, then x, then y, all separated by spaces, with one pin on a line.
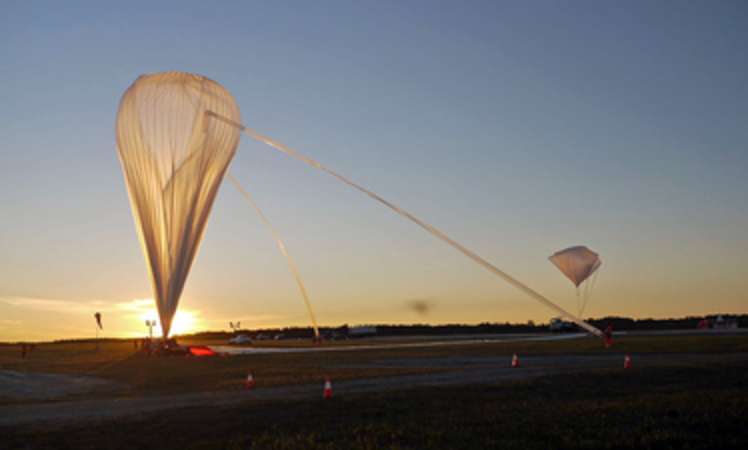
pixel 166 117
pixel 174 154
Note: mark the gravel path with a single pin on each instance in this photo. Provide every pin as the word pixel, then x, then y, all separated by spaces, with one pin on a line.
pixel 39 386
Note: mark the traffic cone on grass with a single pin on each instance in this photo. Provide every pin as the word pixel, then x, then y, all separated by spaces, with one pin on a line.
pixel 327 393
pixel 250 382
pixel 515 361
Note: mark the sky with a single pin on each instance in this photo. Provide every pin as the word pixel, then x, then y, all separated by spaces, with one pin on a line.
pixel 518 128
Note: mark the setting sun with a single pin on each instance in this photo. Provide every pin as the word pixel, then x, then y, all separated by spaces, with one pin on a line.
pixel 184 322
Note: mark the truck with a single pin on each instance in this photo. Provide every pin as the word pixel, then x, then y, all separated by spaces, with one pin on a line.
pixel 559 325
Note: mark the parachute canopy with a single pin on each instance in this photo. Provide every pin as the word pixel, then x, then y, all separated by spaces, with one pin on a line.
pixel 173 158
pixel 577 263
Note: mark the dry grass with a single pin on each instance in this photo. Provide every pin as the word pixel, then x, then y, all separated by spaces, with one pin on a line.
pixel 139 374
pixel 657 408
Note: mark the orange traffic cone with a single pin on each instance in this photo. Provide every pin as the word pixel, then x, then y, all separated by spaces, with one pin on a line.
pixel 515 361
pixel 250 383
pixel 327 393
pixel 627 362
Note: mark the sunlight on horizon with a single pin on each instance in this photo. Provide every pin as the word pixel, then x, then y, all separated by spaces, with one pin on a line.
pixel 184 322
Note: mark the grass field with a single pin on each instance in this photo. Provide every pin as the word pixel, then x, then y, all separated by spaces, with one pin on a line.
pixel 697 401
pixel 662 408
pixel 137 374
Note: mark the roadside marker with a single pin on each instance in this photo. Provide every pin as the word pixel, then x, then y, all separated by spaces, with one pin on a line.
pixel 515 361
pixel 327 393
pixel 627 362
pixel 250 383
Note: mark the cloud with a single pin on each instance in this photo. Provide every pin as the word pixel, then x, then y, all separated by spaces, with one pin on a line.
pixel 139 305
pixel 119 316
pixel 136 306
pixel 53 305
pixel 421 306
pixel 69 318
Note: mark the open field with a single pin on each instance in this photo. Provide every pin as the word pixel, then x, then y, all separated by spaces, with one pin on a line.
pixel 658 408
pixel 568 393
pixel 134 374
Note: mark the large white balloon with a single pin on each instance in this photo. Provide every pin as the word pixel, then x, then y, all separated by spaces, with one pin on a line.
pixel 173 157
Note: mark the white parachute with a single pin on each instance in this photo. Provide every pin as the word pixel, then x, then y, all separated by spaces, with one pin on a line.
pixel 578 264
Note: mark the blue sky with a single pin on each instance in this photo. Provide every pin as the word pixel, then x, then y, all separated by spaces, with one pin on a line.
pixel 517 127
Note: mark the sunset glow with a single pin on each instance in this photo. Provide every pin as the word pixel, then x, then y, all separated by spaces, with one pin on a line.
pixel 184 322
pixel 516 131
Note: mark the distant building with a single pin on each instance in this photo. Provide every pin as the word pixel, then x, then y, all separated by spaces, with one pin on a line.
pixel 558 325
pixel 720 323
pixel 240 339
pixel 362 331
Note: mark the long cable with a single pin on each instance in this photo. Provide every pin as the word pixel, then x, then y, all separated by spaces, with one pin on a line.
pixel 431 229
pixel 282 247
pixel 589 286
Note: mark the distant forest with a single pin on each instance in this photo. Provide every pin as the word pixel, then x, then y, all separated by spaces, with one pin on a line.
pixel 619 324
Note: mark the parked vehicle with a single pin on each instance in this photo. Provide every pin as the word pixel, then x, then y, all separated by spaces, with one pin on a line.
pixel 240 339
pixel 559 325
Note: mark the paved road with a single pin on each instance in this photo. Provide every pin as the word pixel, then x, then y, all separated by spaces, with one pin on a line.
pixel 459 339
pixel 449 341
pixel 458 370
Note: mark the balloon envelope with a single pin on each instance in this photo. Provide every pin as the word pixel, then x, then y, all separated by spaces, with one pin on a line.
pixel 173 158
pixel 577 263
